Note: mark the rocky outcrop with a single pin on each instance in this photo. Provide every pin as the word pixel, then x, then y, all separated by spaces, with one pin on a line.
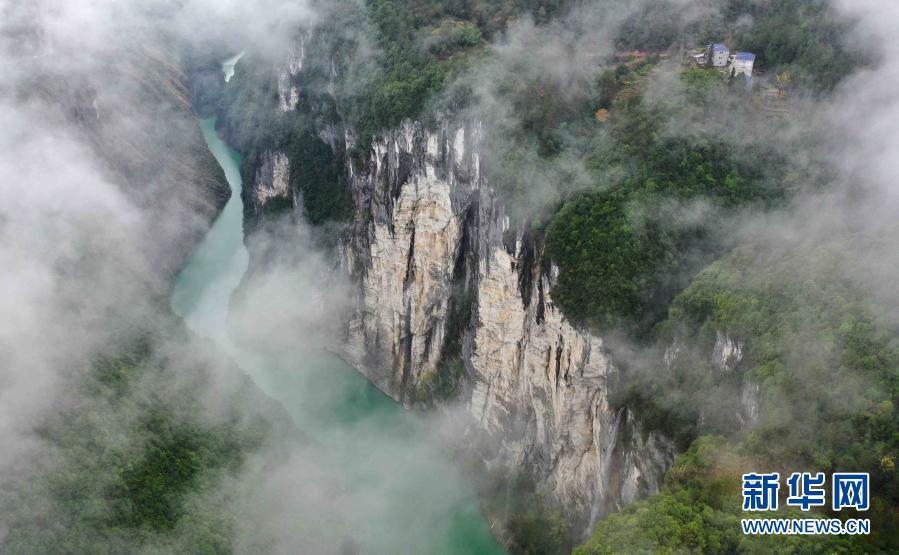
pixel 442 282
pixel 541 388
pixel 288 86
pixel 727 352
pixel 271 182
pixel 407 236
pixel 450 301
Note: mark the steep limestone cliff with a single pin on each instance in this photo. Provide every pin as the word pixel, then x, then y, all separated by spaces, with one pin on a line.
pixel 271 181
pixel 450 301
pixel 288 87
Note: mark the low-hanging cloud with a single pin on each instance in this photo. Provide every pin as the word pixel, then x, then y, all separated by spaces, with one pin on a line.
pixel 535 88
pixel 101 193
pixel 95 195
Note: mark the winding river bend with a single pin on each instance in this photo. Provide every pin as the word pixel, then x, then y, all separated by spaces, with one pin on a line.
pixel 405 497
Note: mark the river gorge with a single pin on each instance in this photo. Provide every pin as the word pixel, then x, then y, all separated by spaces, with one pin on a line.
pixel 446 276
pixel 423 505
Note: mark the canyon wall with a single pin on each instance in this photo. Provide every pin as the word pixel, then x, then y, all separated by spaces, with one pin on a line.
pixel 451 303
pixel 133 109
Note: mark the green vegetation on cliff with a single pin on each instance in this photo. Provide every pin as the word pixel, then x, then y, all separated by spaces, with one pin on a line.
pixel 822 358
pixel 699 512
pixel 625 252
pixel 808 326
pixel 626 247
pixel 423 43
pixel 367 67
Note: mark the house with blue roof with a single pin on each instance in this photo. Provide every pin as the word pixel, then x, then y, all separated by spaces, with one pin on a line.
pixel 718 54
pixel 742 64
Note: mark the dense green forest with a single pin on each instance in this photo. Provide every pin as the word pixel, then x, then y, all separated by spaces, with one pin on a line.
pixel 825 359
pixel 625 250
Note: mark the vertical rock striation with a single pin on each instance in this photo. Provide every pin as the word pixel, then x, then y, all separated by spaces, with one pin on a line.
pixel 442 282
pixel 288 85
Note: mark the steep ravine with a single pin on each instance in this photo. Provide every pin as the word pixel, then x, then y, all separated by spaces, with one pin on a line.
pixel 450 302
pixel 427 236
pixel 139 120
pixel 389 487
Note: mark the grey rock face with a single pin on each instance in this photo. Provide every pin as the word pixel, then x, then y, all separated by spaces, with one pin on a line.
pixel 442 281
pixel 727 352
pixel 428 231
pixel 411 204
pixel 288 88
pixel 271 180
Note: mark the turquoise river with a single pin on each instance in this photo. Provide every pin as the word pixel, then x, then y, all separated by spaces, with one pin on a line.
pixel 405 496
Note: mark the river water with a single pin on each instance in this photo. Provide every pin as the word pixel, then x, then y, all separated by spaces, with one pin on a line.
pixel 405 495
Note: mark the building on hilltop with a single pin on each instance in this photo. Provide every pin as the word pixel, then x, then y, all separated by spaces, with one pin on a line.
pixel 718 54
pixel 741 64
